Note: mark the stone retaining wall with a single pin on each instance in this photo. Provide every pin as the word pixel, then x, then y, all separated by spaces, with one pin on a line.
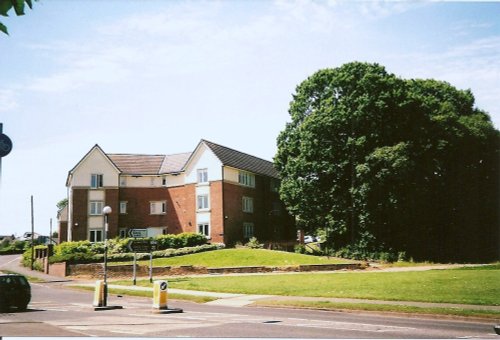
pixel 96 270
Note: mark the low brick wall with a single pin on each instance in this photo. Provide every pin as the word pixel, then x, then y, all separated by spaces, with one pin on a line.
pixel 58 269
pixel 125 271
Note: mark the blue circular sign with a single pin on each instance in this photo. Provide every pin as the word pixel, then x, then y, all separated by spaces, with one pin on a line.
pixel 5 145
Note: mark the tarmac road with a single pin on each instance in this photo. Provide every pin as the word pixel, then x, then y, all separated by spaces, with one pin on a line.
pixel 56 310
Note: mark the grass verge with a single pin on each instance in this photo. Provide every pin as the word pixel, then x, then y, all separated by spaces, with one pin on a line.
pixel 149 294
pixel 342 306
pixel 461 286
pixel 241 258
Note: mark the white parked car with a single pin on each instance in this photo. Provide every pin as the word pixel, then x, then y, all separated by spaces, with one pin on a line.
pixel 308 239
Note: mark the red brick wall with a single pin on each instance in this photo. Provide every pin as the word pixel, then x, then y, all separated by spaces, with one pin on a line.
pixel 181 209
pixel 227 216
pixel 63 232
pixel 180 216
pixel 268 226
pixel 80 214
pixel 216 213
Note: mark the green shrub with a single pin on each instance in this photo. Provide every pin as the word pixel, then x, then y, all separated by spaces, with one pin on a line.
pixel 299 249
pixel 253 243
pixel 13 247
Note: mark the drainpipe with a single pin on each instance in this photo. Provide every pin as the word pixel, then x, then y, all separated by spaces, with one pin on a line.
pixel 223 210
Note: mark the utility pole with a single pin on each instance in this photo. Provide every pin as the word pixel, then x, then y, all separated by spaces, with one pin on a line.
pixel 32 235
pixel 5 148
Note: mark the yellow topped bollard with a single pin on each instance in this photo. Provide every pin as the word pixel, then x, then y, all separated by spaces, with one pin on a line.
pixel 160 294
pixel 160 298
pixel 100 301
pixel 99 294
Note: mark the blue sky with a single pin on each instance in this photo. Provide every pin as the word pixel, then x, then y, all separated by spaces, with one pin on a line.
pixel 157 76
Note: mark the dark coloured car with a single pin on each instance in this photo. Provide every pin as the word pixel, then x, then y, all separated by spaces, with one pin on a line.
pixel 15 291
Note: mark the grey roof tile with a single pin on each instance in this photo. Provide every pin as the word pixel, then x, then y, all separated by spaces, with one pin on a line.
pixel 241 160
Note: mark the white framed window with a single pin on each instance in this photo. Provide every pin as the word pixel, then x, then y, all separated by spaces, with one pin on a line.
pixel 122 233
pixel 248 230
pixel 202 202
pixel 204 229
pixel 247 203
pixel 202 175
pixel 247 179
pixel 158 207
pixel 96 181
pixel 123 207
pixel 123 181
pixel 95 235
pixel 95 207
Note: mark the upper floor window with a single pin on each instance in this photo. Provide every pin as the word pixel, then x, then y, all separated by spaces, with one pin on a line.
pixel 164 180
pixel 123 207
pixel 158 207
pixel 96 181
pixel 96 207
pixel 202 202
pixel 123 181
pixel 246 179
pixel 275 185
pixel 202 176
pixel 247 204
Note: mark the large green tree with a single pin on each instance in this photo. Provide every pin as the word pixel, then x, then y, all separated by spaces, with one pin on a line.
pixel 17 5
pixel 380 161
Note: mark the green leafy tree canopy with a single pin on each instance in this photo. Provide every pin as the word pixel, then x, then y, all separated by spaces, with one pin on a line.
pixel 378 161
pixel 17 5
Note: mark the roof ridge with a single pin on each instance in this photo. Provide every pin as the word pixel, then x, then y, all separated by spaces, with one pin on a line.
pixel 134 154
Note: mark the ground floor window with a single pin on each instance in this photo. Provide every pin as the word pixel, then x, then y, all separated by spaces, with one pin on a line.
pixel 204 228
pixel 248 230
pixel 95 235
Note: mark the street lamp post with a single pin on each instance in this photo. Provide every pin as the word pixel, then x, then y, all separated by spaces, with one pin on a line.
pixel 106 211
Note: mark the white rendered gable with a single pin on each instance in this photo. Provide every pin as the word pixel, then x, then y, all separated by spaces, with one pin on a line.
pixel 95 162
pixel 203 158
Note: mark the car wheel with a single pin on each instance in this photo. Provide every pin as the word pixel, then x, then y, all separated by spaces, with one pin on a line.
pixel 22 308
pixel 3 305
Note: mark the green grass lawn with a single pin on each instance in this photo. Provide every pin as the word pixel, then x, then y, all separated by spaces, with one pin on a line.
pixel 242 257
pixel 467 286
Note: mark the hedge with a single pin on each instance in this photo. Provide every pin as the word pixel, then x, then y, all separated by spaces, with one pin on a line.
pixel 87 252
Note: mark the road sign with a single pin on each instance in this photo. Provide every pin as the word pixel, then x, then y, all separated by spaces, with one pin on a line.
pixel 138 233
pixel 5 145
pixel 141 246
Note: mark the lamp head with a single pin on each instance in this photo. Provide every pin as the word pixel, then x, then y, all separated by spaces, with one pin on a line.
pixel 106 210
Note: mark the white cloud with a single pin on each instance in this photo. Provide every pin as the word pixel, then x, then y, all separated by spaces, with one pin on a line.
pixel 8 100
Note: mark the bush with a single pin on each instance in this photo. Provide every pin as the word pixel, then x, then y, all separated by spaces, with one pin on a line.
pixel 253 243
pixel 299 249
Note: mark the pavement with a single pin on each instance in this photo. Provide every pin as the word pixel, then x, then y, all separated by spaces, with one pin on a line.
pixel 240 300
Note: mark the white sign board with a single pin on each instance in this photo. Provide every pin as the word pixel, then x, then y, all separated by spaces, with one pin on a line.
pixel 138 233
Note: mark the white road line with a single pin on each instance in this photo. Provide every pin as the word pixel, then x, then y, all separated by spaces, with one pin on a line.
pixel 16 259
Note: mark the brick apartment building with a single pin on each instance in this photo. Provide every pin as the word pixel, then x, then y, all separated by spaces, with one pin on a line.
pixel 227 195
